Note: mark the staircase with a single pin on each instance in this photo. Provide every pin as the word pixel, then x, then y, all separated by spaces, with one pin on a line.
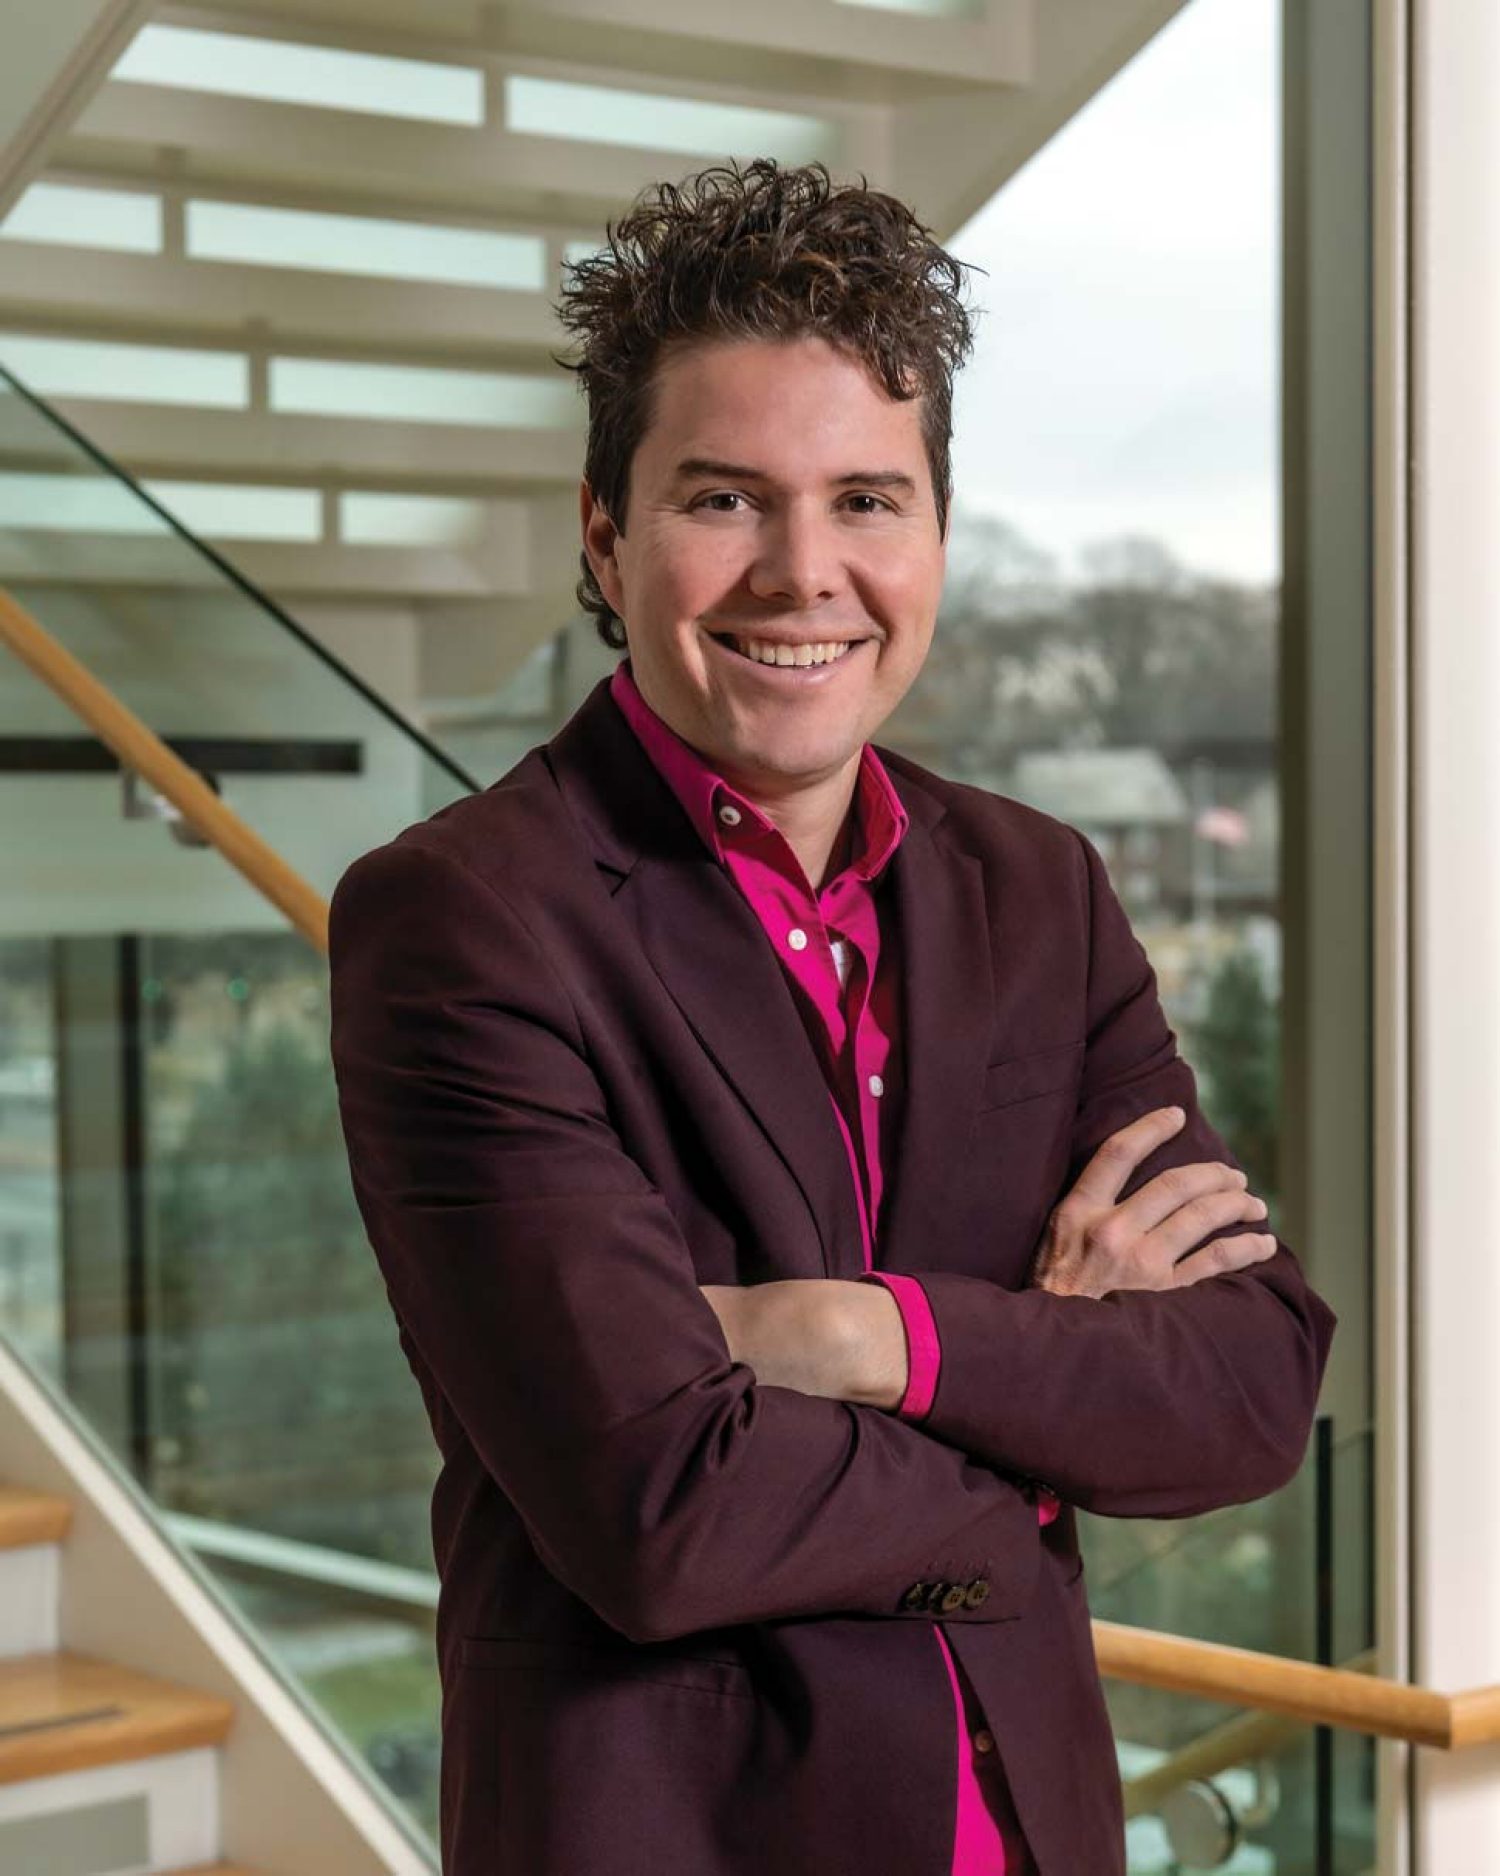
pixel 141 1729
pixel 102 1768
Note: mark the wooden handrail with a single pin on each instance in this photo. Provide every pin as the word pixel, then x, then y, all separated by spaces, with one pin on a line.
pixel 1240 1741
pixel 142 750
pixel 1300 1690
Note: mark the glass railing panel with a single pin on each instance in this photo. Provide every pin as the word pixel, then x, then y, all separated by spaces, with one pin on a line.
pixel 315 761
pixel 30 1199
pixel 361 1651
pixel 1287 1575
pixel 180 1252
pixel 1216 1787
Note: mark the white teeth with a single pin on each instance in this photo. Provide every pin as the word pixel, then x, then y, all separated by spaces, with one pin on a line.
pixel 761 651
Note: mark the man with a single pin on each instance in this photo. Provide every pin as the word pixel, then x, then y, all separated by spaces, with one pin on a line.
pixel 788 1188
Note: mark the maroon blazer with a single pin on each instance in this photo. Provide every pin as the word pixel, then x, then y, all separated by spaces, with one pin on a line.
pixel 684 1618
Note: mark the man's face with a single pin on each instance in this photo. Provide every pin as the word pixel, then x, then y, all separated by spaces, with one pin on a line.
pixel 779 501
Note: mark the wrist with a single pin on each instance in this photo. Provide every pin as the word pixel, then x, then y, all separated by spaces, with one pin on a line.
pixel 876 1358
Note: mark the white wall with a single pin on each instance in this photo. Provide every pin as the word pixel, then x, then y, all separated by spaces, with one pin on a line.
pixel 1456 926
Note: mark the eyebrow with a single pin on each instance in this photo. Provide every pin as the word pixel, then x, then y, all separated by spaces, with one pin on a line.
pixel 692 467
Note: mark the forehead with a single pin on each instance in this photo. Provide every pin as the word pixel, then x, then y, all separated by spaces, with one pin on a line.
pixel 796 397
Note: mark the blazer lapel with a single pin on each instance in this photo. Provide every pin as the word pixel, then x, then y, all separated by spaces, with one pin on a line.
pixel 948 1013
pixel 714 960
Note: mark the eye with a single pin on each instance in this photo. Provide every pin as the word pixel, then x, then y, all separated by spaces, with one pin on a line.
pixel 877 503
pixel 720 495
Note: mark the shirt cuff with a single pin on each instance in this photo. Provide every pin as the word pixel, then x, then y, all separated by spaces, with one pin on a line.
pixel 924 1353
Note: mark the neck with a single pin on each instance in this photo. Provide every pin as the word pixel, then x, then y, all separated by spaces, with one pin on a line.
pixel 816 820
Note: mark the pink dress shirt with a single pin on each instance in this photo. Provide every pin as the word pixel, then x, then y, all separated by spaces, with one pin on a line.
pixel 845 983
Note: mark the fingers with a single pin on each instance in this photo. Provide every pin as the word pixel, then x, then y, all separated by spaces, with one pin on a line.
pixel 1117 1157
pixel 1218 1199
pixel 1224 1255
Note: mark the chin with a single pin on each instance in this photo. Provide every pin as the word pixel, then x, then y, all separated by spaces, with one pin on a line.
pixel 790 765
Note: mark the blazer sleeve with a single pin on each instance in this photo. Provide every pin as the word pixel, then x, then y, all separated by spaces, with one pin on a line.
pixel 547 1285
pixel 1141 1403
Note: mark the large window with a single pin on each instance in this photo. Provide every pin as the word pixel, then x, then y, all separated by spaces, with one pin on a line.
pixel 1110 650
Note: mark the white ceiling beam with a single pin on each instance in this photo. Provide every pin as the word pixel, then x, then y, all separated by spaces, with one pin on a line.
pixel 118 295
pixel 322 196
pixel 192 137
pixel 287 569
pixel 950 156
pixel 414 573
pixel 54 58
pixel 992 48
pixel 782 45
pixel 169 441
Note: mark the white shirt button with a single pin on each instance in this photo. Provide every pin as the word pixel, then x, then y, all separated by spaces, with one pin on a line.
pixel 797 938
pixel 876 1086
pixel 984 1740
pixel 729 814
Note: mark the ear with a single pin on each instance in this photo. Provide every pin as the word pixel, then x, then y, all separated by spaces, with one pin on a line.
pixel 600 536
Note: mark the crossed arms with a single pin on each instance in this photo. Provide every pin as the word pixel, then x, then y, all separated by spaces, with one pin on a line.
pixel 547 1286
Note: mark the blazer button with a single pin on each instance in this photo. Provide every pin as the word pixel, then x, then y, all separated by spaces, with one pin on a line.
pixel 954 1599
pixel 937 1595
pixel 977 1591
pixel 915 1597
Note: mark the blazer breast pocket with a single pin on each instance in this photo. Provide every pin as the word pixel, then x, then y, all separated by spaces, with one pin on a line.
pixel 1028 1077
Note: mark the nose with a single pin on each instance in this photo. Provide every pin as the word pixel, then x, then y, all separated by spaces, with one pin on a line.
pixel 797 560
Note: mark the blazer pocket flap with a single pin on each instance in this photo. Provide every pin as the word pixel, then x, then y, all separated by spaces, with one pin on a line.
pixel 1023 1077
pixel 607 1662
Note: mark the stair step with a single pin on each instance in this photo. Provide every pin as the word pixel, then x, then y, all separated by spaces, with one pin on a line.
pixel 32 1518
pixel 62 1712
pixel 32 1527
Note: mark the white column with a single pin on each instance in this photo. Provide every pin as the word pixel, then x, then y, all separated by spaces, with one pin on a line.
pixel 1456 910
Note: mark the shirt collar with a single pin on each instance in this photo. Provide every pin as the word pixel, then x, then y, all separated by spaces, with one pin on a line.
pixel 881 820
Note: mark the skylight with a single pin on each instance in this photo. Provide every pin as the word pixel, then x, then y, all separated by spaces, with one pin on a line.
pixel 242 65
pixel 74 505
pixel 421 394
pixel 222 511
pixel 88 218
pixel 364 244
pixel 368 520
pixel 142 374
pixel 243 511
pixel 644 120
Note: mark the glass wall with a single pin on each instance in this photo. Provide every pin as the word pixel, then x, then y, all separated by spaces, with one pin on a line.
pixel 1112 649
pixel 180 1250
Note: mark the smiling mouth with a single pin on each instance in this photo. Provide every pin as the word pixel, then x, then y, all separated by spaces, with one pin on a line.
pixel 765 651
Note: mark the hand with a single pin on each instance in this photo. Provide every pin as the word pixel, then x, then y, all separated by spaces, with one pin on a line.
pixel 802 1333
pixel 1094 1245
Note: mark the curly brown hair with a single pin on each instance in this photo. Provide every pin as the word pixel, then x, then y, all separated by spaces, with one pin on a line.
pixel 758 252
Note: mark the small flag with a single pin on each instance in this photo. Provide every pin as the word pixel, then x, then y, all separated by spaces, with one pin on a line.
pixel 1227 826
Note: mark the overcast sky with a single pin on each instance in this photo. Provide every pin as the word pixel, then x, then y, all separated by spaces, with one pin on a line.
pixel 1125 374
